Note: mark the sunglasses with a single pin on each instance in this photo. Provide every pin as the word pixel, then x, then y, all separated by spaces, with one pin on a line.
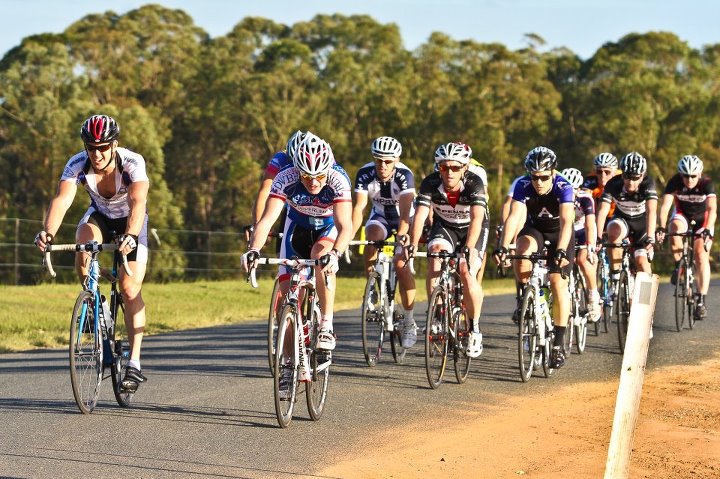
pixel 632 177
pixel 381 161
pixel 100 148
pixel 307 177
pixel 689 177
pixel 604 172
pixel 540 178
pixel 453 168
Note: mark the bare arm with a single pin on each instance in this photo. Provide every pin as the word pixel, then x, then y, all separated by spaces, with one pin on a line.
pixel 137 199
pixel 342 215
pixel 711 203
pixel 59 205
pixel 518 212
pixel 567 216
pixel 361 200
pixel 665 210
pixel 591 232
pixel 477 213
pixel 405 205
pixel 271 213
pixel 262 197
pixel 421 215
pixel 603 211
pixel 651 217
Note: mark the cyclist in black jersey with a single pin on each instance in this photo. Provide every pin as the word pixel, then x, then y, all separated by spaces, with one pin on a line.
pixel 545 201
pixel 635 201
pixel 458 198
pixel 694 199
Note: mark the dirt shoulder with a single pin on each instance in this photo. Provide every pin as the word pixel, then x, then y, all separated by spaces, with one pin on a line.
pixel 562 434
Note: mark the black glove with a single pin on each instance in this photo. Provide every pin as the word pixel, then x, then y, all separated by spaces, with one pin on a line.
pixel 560 254
pixel 647 241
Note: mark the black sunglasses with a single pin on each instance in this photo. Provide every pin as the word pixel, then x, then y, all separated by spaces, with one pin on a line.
pixel 689 177
pixel 100 148
pixel 632 177
pixel 540 178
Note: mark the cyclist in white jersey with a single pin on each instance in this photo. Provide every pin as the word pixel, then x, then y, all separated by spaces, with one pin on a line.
pixel 116 180
pixel 390 185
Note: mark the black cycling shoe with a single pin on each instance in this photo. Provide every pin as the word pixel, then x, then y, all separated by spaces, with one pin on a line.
pixel 557 357
pixel 516 316
pixel 674 276
pixel 700 312
pixel 131 381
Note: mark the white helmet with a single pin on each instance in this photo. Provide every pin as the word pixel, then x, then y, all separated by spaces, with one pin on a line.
pixel 574 176
pixel 457 151
pixel 293 143
pixel 385 146
pixel 605 160
pixel 314 156
pixel 690 165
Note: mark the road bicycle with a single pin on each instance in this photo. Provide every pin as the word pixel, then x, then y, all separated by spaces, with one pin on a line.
pixel 272 322
pixel 605 289
pixel 685 286
pixel 95 344
pixel 447 327
pixel 621 291
pixel 379 316
pixel 579 310
pixel 536 331
pixel 295 349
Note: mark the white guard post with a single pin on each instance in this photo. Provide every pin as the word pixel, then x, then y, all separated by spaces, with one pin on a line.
pixel 627 407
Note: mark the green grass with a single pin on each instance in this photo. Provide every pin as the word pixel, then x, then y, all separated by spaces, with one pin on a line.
pixel 39 316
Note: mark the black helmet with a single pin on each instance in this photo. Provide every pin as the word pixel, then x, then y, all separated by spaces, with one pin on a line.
pixel 540 158
pixel 633 164
pixel 99 129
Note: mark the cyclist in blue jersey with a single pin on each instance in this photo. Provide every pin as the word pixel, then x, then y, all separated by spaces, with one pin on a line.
pixel 458 199
pixel 390 185
pixel 544 201
pixel 319 220
pixel 585 238
pixel 694 199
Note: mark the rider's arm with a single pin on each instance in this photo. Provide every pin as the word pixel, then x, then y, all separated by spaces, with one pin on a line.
pixel 405 204
pixel 518 213
pixel 477 214
pixel 421 214
pixel 137 200
pixel 651 216
pixel 603 211
pixel 361 200
pixel 342 216
pixel 273 208
pixel 590 233
pixel 262 197
pixel 665 206
pixel 711 205
pixel 59 205
pixel 567 218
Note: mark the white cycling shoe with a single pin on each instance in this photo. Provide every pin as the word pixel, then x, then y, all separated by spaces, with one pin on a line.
pixel 409 336
pixel 475 346
pixel 325 340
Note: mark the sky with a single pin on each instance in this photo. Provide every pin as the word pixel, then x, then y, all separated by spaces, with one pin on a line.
pixel 583 26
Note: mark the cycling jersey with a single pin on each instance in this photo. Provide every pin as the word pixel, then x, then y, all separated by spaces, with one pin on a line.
pixel 307 210
pixel 691 202
pixel 450 210
pixel 629 205
pixel 584 205
pixel 129 168
pixel 385 195
pixel 543 211
pixel 278 162
pixel 593 184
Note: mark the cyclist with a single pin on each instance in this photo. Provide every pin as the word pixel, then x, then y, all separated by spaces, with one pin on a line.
pixel 458 199
pixel 695 199
pixel 585 238
pixel 390 185
pixel 318 226
pixel 117 182
pixel 544 201
pixel 606 167
pixel 635 201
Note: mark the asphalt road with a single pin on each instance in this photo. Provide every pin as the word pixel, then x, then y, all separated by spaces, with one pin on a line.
pixel 207 409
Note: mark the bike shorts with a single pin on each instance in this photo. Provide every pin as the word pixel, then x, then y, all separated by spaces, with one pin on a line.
pixel 635 230
pixel 386 225
pixel 580 237
pixel 451 239
pixel 685 219
pixel 112 227
pixel 553 237
pixel 297 242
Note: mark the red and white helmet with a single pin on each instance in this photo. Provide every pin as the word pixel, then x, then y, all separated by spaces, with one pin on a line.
pixel 314 156
pixel 454 151
pixel 99 129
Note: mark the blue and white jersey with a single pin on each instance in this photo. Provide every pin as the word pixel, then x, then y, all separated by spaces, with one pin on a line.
pixel 129 168
pixel 543 211
pixel 307 210
pixel 279 161
pixel 385 195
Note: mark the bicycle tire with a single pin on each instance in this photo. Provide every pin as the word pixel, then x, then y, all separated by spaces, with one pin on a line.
pixel 584 307
pixel 372 321
pixel 275 299
pixel 603 280
pixel 692 290
pixel 461 332
pixel 320 361
pixel 436 338
pixel 284 407
pixel 398 351
pixel 622 308
pixel 121 357
pixel 681 299
pixel 569 330
pixel 527 335
pixel 85 351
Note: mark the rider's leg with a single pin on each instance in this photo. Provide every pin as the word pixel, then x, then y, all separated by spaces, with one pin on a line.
pixel 373 232
pixel 406 281
pixel 473 293
pixel 85 232
pixel 326 296
pixel 589 273
pixel 702 277
pixel 617 231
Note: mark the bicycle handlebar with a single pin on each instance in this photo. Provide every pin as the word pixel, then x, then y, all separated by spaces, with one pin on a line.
pixel 292 263
pixel 89 247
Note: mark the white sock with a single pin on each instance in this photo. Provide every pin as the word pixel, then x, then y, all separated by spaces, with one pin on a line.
pixel 409 319
pixel 327 322
pixel 134 364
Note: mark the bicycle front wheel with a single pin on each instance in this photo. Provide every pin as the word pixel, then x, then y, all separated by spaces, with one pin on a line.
pixel 86 366
pixel 285 367
pixel 275 299
pixel 436 337
pixel 527 335
pixel 691 291
pixel 605 286
pixel 398 351
pixel 681 299
pixel 320 361
pixel 372 321
pixel 622 308
pixel 121 356
pixel 462 329
pixel 583 306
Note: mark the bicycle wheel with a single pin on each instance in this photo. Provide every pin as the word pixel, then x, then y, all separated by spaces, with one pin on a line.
pixel 461 333
pixel 284 360
pixel 398 351
pixel 121 356
pixel 622 308
pixel 569 330
pixel 583 306
pixel 527 335
pixel 86 366
pixel 275 299
pixel 436 338
pixel 372 321
pixel 681 290
pixel 605 287
pixel 692 290
pixel 316 390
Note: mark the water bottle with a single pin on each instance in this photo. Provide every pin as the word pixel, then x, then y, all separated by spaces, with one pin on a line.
pixel 104 312
pixel 544 308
